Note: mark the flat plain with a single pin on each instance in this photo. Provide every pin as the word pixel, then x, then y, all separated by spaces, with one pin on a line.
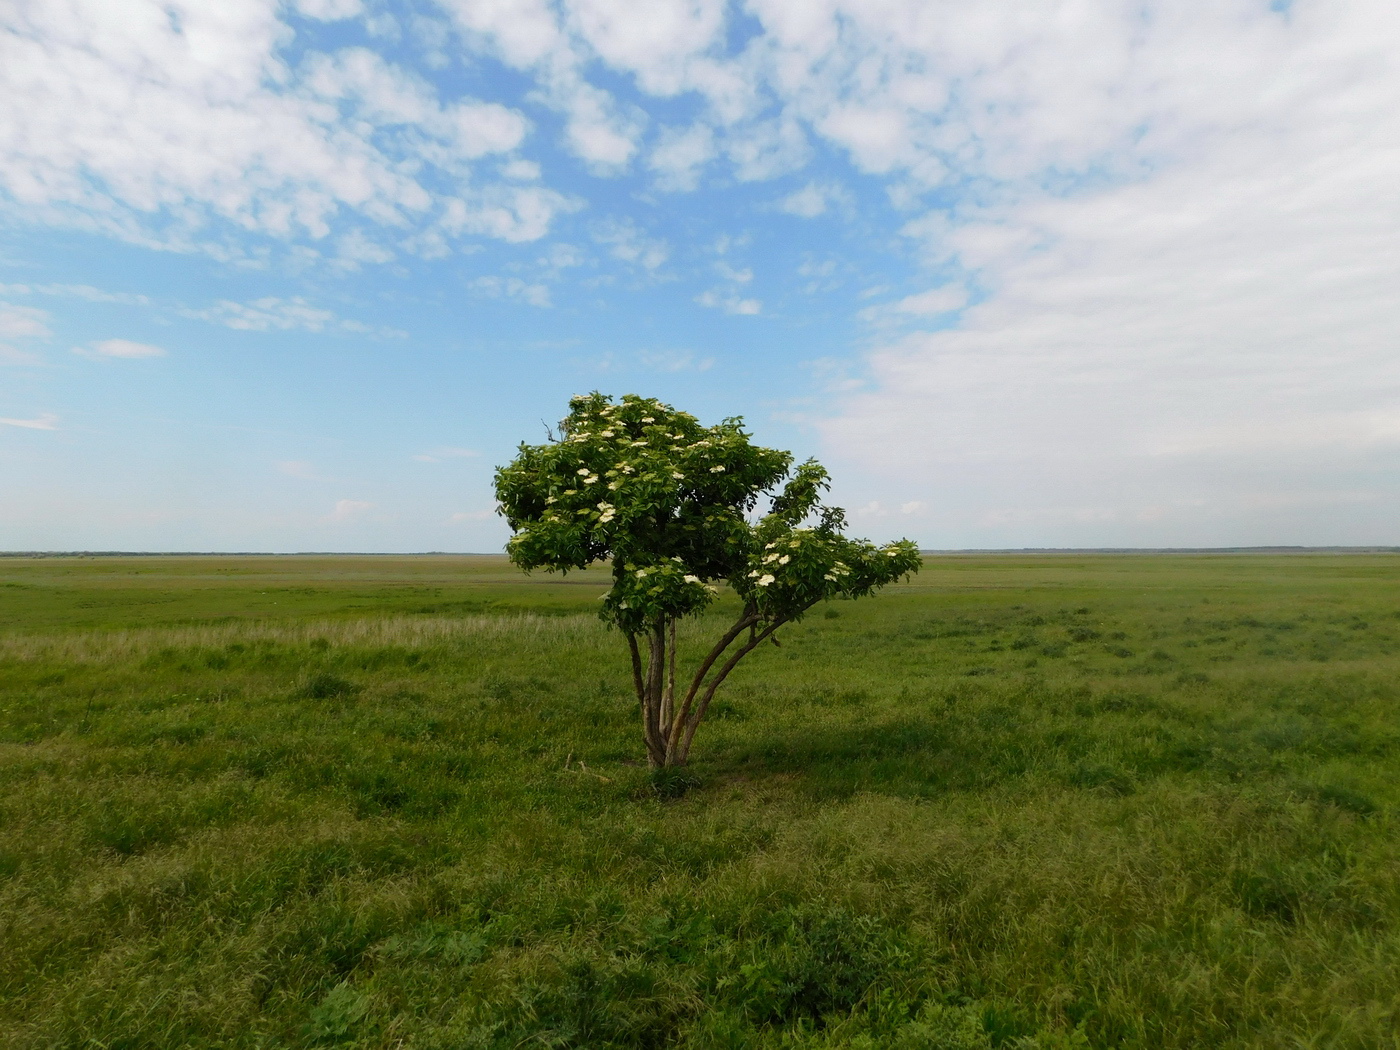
pixel 1021 801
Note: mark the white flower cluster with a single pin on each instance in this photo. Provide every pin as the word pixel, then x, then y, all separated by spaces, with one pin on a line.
pixel 606 513
pixel 837 571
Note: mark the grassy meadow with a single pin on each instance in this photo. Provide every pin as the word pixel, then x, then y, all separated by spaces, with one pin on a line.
pixel 1029 802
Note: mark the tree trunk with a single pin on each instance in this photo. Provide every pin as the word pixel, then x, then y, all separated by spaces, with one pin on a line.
pixel 668 728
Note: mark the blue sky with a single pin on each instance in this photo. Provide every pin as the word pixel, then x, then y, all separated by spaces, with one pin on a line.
pixel 298 276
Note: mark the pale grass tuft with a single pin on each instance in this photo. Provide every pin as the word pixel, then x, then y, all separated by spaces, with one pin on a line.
pixel 383 631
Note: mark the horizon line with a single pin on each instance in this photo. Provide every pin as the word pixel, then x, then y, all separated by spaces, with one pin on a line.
pixel 1245 549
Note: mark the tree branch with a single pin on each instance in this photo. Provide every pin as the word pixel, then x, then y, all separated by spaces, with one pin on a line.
pixel 746 619
pixel 693 722
pixel 636 668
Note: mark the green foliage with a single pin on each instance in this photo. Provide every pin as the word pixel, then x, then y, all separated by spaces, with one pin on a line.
pixel 669 502
pixel 338 1015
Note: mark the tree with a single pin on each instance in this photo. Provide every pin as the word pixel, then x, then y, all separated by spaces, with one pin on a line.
pixel 673 505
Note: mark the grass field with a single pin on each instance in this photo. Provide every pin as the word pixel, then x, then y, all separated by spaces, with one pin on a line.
pixel 1034 802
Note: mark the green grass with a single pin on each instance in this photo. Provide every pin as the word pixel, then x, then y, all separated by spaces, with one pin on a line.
pixel 1053 802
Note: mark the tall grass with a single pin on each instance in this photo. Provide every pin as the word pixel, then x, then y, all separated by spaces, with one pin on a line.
pixel 1023 803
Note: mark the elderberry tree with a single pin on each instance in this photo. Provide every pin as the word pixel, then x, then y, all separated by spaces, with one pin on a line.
pixel 676 508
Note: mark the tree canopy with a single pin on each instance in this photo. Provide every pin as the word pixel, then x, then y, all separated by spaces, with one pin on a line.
pixel 678 509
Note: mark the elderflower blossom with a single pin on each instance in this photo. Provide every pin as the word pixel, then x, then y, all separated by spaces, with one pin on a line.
pixel 627 468
pixel 642 572
pixel 784 559
pixel 692 579
pixel 765 580
pixel 716 470
pixel 648 419
pixel 677 475
pixel 583 472
pixel 606 434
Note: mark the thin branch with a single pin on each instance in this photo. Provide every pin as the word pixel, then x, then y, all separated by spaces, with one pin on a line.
pixel 656 670
pixel 636 667
pixel 756 639
pixel 694 721
pixel 732 663
pixel 746 619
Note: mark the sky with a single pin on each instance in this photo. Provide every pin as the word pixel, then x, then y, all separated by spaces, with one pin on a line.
pixel 299 276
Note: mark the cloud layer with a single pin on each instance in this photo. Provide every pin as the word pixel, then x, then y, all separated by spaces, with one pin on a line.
pixel 175 123
pixel 1208 340
pixel 1149 268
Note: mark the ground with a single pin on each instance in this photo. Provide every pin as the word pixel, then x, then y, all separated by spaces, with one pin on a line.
pixel 1051 801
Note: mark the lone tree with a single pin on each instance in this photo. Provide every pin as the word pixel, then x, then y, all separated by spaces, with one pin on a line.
pixel 673 505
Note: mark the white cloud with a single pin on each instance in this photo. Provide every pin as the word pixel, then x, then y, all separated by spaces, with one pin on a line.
pixel 268 314
pixel 437 455
pixel 354 249
pixel 1184 348
pixel 679 156
pixel 13 356
pixel 76 291
pixel 275 314
pixel 45 421
pixel 121 348
pixel 348 510
pixel 512 288
pixel 527 35
pixel 523 170
pixel 808 202
pixel 392 98
pixel 766 149
pixel 509 213
pixel 22 322
pixel 330 10
pixel 729 303
pixel 297 468
pixel 675 361
pixel 814 199
pixel 932 303
pixel 626 241
pixel 166 123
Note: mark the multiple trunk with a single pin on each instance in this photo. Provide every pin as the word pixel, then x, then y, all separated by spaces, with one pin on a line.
pixel 668 721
